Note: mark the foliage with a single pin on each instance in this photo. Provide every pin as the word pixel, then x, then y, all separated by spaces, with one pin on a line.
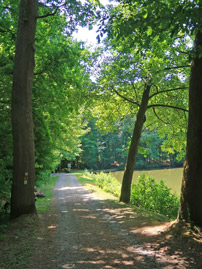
pixel 104 150
pixel 146 193
pixel 108 150
pixel 5 183
pixel 154 196
pixel 8 24
pixel 61 82
pixel 136 51
pixel 121 81
pixel 108 183
pixel 144 40
pixel 60 86
pixel 137 61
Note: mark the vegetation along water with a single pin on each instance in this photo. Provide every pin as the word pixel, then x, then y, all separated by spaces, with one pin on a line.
pixel 172 177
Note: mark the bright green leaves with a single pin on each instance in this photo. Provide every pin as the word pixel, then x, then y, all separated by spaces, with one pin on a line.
pixel 142 46
pixel 149 31
pixel 154 196
pixel 144 13
pixel 60 86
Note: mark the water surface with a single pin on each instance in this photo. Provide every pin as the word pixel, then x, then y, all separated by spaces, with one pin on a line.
pixel 172 177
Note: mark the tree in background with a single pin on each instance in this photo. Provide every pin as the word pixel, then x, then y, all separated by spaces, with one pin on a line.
pixel 147 84
pixel 106 147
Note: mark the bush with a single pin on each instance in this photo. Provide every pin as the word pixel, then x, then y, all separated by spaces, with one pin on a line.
pixel 5 185
pixel 154 196
pixel 108 183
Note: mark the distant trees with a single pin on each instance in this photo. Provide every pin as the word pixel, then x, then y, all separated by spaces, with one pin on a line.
pixel 109 149
pixel 103 150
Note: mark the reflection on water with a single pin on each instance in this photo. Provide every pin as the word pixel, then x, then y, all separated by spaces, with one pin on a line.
pixel 172 177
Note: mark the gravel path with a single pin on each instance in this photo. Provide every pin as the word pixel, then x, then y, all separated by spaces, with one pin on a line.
pixel 87 232
pixel 89 237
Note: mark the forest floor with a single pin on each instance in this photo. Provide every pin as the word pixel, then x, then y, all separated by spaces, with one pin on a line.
pixel 84 230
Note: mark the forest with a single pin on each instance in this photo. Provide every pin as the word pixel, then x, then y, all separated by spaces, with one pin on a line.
pixel 133 101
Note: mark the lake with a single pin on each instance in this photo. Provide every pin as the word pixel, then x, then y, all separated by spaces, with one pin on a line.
pixel 172 177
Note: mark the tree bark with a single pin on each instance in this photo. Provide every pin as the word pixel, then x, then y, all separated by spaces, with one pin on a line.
pixel 191 192
pixel 22 194
pixel 133 149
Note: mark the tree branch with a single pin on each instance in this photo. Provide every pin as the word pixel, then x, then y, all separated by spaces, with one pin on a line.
pixel 169 90
pixel 167 123
pixel 125 98
pixel 168 106
pixel 183 52
pixel 7 7
pixel 48 14
pixel 176 67
pixel 41 72
pixel 3 31
pixel 5 102
pixel 134 90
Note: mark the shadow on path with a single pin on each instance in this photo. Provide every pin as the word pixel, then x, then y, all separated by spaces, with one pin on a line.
pixel 94 233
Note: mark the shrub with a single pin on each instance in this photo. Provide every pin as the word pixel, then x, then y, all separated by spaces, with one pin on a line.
pixel 5 185
pixel 154 196
pixel 108 183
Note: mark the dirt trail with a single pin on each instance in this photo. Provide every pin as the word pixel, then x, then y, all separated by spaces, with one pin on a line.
pixel 84 231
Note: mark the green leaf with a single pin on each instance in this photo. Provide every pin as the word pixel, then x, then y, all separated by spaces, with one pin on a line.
pixel 145 13
pixel 149 31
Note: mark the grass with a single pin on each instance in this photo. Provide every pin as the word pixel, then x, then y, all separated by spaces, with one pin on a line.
pixel 88 181
pixel 43 204
pixel 104 187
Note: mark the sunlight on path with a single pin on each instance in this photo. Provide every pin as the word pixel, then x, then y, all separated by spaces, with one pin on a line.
pixel 92 233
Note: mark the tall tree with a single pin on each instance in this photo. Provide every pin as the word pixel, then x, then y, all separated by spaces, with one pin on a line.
pixel 22 200
pixel 133 148
pixel 22 197
pixel 191 195
pixel 145 21
pixel 123 79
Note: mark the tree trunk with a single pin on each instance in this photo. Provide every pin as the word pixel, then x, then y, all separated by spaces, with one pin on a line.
pixel 191 193
pixel 22 195
pixel 133 149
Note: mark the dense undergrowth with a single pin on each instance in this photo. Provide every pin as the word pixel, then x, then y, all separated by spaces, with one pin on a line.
pixel 154 196
pixel 147 193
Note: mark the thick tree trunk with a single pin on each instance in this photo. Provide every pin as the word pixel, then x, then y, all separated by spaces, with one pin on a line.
pixel 191 193
pixel 133 149
pixel 22 195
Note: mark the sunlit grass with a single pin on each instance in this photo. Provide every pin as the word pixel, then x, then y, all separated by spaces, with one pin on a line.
pixel 89 182
pixel 43 204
